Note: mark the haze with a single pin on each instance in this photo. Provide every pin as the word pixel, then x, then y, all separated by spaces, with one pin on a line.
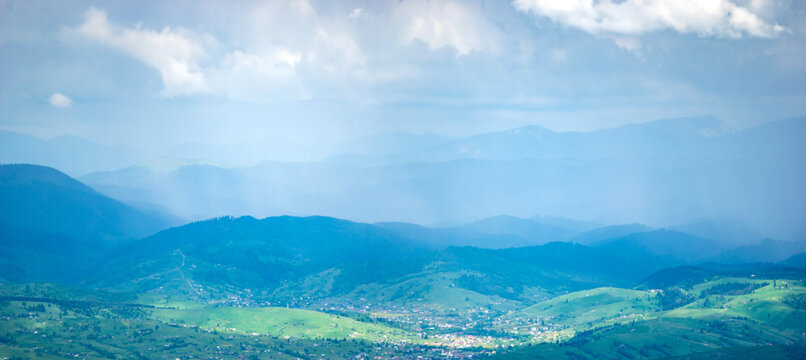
pixel 432 112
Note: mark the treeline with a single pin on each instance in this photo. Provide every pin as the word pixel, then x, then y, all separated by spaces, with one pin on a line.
pixel 733 288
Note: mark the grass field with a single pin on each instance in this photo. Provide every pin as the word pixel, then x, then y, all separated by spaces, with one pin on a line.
pixel 43 330
pixel 595 307
pixel 719 317
pixel 296 323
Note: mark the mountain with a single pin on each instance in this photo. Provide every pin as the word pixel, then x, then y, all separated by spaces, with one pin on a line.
pixel 681 276
pixel 530 231
pixel 598 265
pixel 687 276
pixel 249 253
pixel 496 232
pixel 661 138
pixel 53 227
pixel 72 154
pixel 393 143
pixel 443 237
pixel 766 250
pixel 666 172
pixel 788 134
pixel 285 259
pixel 577 226
pixel 29 255
pixel 728 232
pixel 665 245
pixel 42 198
pixel 797 260
pixel 608 232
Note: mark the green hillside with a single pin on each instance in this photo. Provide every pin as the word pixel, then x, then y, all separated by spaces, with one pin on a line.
pixel 659 338
pixel 283 259
pixel 55 229
pixel 46 330
pixel 595 307
pixel 46 200
pixel 296 323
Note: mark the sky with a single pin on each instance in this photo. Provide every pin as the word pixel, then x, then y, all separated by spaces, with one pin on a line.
pixel 159 74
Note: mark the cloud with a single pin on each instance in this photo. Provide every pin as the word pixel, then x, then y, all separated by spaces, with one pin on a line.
pixel 720 18
pixel 356 13
pixel 259 77
pixel 282 50
pixel 60 100
pixel 175 53
pixel 440 24
pixel 273 40
pixel 627 43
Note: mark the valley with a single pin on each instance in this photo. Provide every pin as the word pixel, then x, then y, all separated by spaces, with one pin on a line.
pixel 322 287
pixel 403 180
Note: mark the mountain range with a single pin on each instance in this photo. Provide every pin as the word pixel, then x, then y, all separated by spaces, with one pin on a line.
pixel 53 226
pixel 660 173
pixel 58 229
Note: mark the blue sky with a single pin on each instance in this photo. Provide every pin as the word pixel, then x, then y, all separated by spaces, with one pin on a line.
pixel 164 73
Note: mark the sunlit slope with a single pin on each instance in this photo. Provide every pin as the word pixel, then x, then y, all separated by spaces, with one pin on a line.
pixel 728 317
pixel 68 302
pixel 595 307
pixel 43 330
pixel 304 324
pixel 443 292
pixel 777 302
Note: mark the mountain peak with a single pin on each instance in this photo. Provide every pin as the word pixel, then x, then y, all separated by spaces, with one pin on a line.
pixel 698 126
pixel 530 130
pixel 21 174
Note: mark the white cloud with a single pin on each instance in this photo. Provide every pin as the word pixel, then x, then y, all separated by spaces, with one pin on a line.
pixel 60 100
pixel 259 77
pixel 440 24
pixel 356 13
pixel 627 43
pixel 722 18
pixel 175 53
pixel 280 50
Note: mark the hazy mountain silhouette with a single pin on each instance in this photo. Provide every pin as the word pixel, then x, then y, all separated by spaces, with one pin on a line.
pixel 531 231
pixel 641 178
pixel 44 199
pixel 797 260
pixel 54 227
pixel 666 245
pixel 766 250
pixel 608 232
pixel 71 154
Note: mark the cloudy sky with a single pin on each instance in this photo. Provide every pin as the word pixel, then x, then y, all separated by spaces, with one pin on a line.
pixel 162 73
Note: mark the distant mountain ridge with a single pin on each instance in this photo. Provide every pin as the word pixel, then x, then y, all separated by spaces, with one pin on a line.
pixel 45 199
pixel 664 244
pixel 54 226
pixel 666 172
pixel 608 232
pixel 71 154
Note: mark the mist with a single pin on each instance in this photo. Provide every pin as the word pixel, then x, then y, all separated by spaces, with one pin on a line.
pixel 403 179
pixel 432 113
